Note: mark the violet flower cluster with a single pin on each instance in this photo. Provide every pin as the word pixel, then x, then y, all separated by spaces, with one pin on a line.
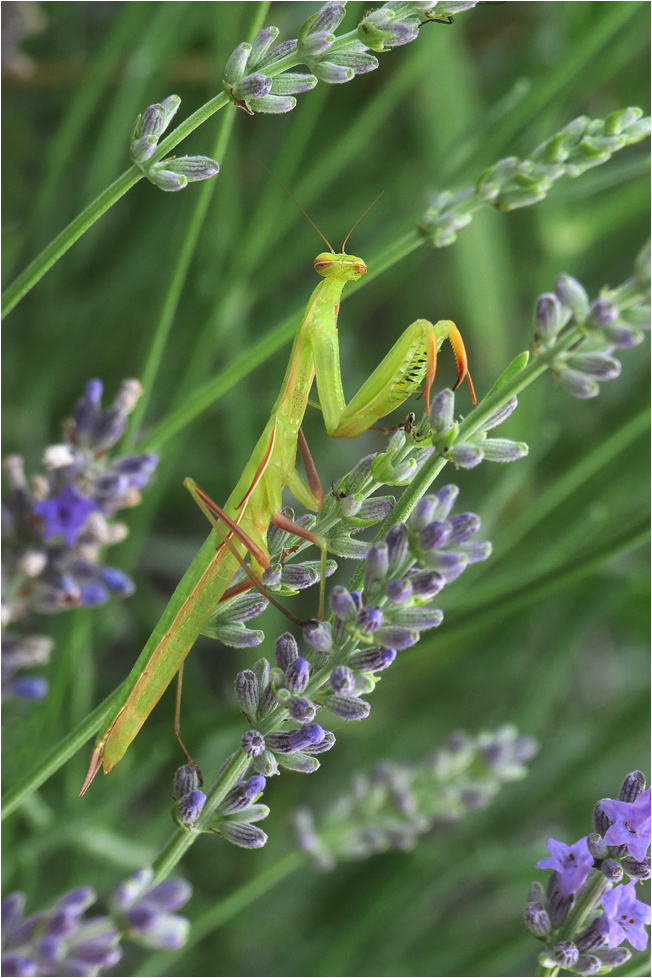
pixel 396 803
pixel 62 941
pixel 55 527
pixel 586 913
pixel 344 656
pixel 258 76
pixel 616 320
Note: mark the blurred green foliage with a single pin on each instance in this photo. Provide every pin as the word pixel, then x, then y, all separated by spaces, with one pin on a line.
pixel 567 663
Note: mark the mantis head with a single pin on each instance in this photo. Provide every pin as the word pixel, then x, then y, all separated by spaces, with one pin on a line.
pixel 343 267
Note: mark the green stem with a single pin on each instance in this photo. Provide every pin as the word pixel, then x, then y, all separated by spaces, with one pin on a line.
pixel 59 754
pixel 225 910
pixel 60 245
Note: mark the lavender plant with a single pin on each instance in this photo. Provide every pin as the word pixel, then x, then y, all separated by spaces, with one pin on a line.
pixel 62 941
pixel 586 913
pixel 56 526
pixel 257 78
pixel 390 807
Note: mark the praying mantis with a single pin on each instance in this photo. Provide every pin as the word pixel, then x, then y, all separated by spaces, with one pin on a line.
pixel 241 526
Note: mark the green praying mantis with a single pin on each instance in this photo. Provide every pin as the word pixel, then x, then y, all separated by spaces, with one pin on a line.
pixel 240 528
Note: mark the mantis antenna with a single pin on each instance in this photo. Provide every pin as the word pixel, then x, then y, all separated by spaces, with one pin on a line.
pixel 322 236
pixel 360 218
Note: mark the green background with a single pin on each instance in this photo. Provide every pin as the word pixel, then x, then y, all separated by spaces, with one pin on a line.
pixel 564 660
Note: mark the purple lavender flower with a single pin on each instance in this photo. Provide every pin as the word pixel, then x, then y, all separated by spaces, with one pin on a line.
pixel 630 824
pixel 242 795
pixel 624 917
pixel 189 807
pixel 147 915
pixel 571 863
pixel 64 514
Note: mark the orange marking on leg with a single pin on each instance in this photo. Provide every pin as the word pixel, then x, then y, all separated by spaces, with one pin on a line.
pixel 431 364
pixel 311 471
pixel 237 531
pixel 457 343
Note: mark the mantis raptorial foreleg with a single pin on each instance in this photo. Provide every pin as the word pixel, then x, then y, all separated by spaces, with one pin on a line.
pixel 412 358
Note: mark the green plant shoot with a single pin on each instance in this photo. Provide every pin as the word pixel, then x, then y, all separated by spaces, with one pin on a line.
pixel 257 498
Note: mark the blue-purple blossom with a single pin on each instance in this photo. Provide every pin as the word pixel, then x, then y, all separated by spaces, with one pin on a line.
pixel 571 863
pixel 64 515
pixel 146 914
pixel 624 917
pixel 631 824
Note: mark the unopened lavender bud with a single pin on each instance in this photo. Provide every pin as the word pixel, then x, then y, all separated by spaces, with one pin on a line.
pixel 423 513
pixel 243 834
pixel 141 149
pixel 463 527
pixel 500 414
pixel 399 592
pixel 349 506
pixel 193 168
pixel 342 680
pixel 236 66
pixel 614 957
pixel 442 411
pixel 253 743
pixel 632 787
pixel 577 384
pixel 297 675
pixel 549 317
pixel 434 535
pixel 600 820
pixel 242 795
pixel 558 907
pixel 268 700
pixel 369 620
pixel 588 964
pixel 573 295
pixel 328 18
pixel 299 576
pixel 299 761
pixel 255 86
pixel 166 179
pixel 374 510
pixel 316 43
pixel 504 450
pixel 189 807
pixel 323 745
pixel 261 45
pixel 265 764
pixel 395 637
pixel 536 894
pixel 301 709
pixel 347 707
pixel 596 846
pixel 612 870
pixel 637 869
pixel 285 650
pixel 305 737
pixel 426 584
pixel 591 938
pixel 272 575
pixel 598 365
pixel 420 619
pixel 374 660
pixel 565 954
pixel 292 83
pixel 343 604
pixel 330 73
pixel 14 466
pixel 466 456
pixel 603 312
pixel 246 690
pixel 398 542
pixel 186 779
pixel 319 636
pixel 537 920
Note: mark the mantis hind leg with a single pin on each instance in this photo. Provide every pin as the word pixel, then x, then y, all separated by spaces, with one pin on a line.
pixel 176 729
